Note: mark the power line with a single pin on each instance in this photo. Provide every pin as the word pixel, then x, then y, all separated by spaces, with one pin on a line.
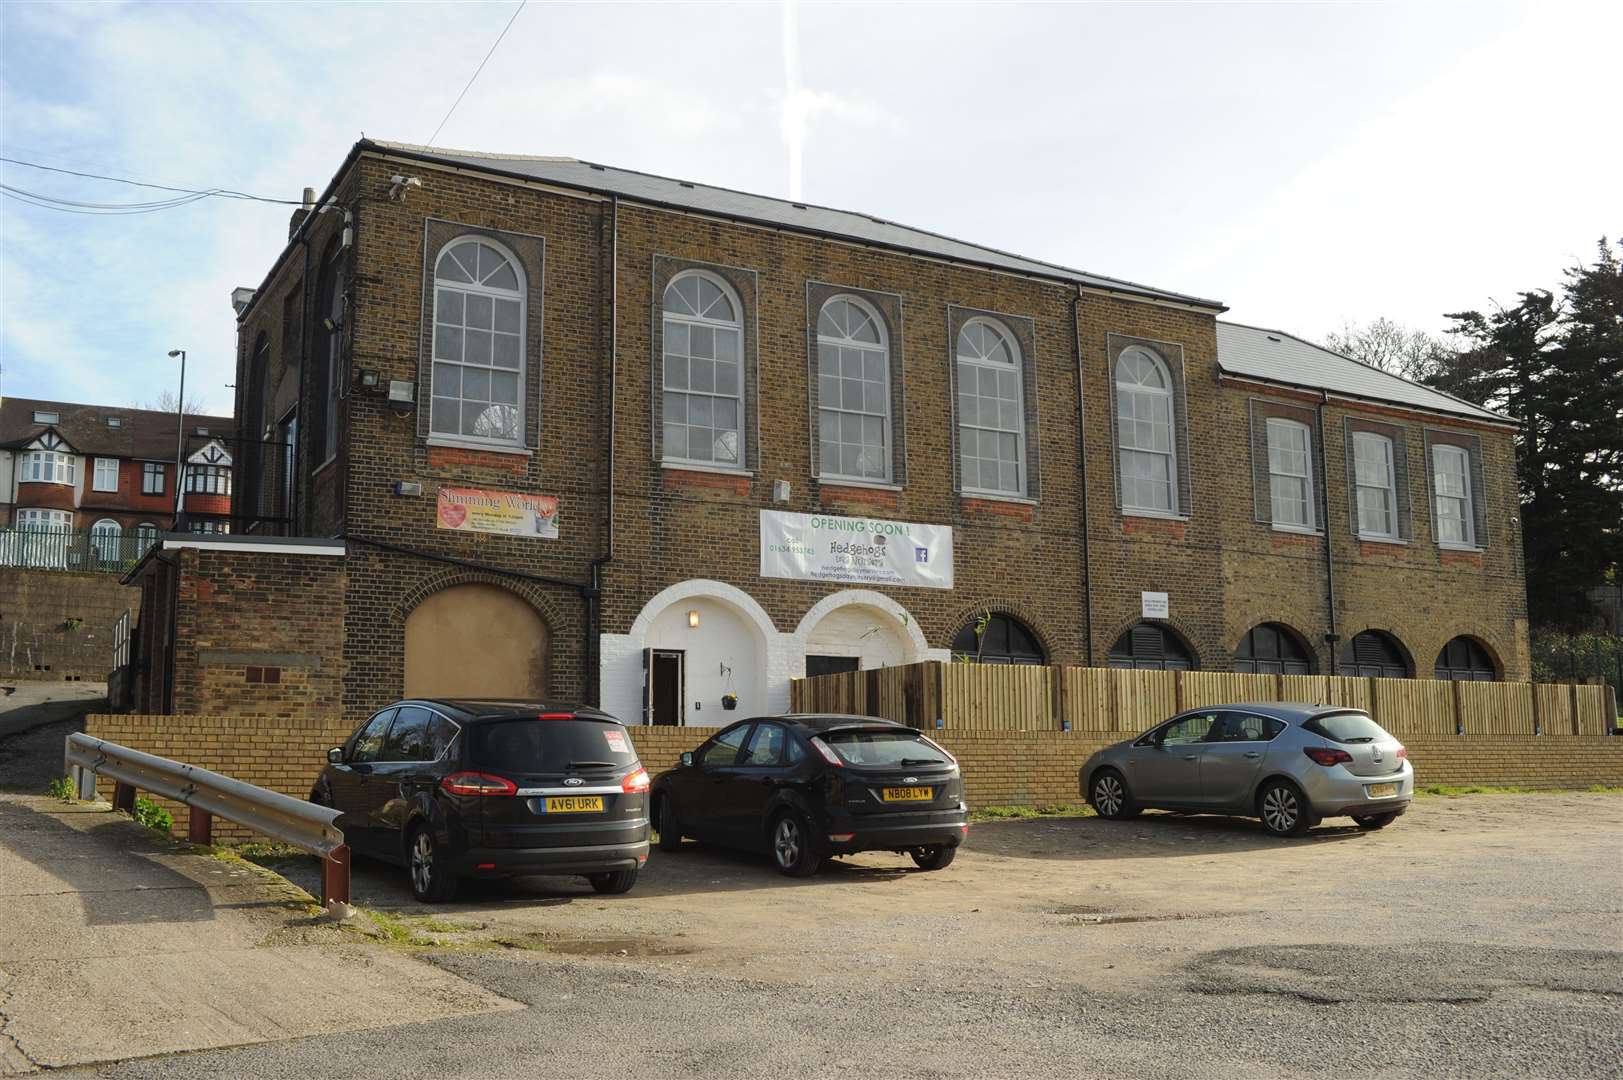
pixel 221 193
pixel 476 72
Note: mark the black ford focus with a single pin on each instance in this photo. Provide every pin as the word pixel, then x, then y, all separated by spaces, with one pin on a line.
pixel 467 788
pixel 805 788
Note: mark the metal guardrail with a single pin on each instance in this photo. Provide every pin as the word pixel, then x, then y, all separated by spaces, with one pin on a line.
pixel 301 824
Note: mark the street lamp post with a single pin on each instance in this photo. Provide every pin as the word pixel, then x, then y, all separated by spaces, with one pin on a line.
pixel 180 432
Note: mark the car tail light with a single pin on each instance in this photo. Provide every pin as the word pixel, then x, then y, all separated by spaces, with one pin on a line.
pixel 635 781
pixel 556 716
pixel 828 755
pixel 840 837
pixel 1325 755
pixel 477 783
pixel 939 747
pixel 1403 752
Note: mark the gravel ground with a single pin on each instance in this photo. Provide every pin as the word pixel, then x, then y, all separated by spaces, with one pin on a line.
pixel 1478 936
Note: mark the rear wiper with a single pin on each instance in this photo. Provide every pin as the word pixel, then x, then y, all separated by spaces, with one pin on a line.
pixel 921 761
pixel 1361 739
pixel 591 764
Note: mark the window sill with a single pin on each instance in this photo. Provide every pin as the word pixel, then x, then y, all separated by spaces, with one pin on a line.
pixel 1366 538
pixel 996 496
pixel 1296 530
pixel 840 481
pixel 489 448
pixel 1157 515
pixel 699 466
pixel 1470 549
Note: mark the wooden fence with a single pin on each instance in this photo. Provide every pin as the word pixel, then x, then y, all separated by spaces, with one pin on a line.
pixel 991 697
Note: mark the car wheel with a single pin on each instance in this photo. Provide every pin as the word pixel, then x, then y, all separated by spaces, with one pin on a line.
pixel 1284 809
pixel 933 858
pixel 1110 796
pixel 1373 821
pixel 670 830
pixel 430 884
pixel 792 846
pixel 614 882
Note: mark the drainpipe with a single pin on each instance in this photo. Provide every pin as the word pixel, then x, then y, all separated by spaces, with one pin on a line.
pixel 1331 638
pixel 1082 459
pixel 594 592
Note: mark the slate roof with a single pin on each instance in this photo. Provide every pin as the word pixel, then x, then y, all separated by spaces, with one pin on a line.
pixel 145 433
pixel 725 202
pixel 1275 356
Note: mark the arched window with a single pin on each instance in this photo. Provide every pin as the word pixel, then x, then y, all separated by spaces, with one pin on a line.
pixel 1375 481
pixel 1149 469
pixel 1151 647
pixel 703 406
pixel 991 410
pixel 1290 473
pixel 1375 654
pixel 105 536
pixel 1273 649
pixel 853 392
pixel 1464 658
pixel 479 355
pixel 1003 640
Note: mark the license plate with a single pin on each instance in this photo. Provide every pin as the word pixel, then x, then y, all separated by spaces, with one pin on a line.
pixel 572 804
pixel 1376 791
pixel 907 794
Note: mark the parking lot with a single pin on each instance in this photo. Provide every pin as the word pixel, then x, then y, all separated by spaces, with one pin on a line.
pixel 1477 936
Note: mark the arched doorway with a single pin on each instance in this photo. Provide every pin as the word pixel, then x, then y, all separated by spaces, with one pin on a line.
pixel 1151 647
pixel 476 641
pixel 1273 649
pixel 1003 640
pixel 1375 654
pixel 856 629
pixel 699 652
pixel 1465 658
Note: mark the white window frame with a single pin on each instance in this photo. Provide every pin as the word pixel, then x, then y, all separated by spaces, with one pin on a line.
pixel 736 326
pixel 1388 492
pixel 1132 391
pixel 1295 427
pixel 978 364
pixel 1439 452
pixel 466 289
pixel 865 348
pixel 46 416
pixel 48 467
pixel 101 481
pixel 146 534
pixel 208 479
pixel 154 468
pixel 33 518
pixel 99 536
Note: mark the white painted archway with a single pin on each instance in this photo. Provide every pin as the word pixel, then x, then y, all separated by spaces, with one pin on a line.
pixel 864 624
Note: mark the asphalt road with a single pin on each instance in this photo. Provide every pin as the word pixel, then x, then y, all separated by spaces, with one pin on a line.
pixel 1475 937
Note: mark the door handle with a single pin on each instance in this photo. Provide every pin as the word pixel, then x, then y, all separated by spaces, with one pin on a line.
pixel 1191 757
pixel 1253 754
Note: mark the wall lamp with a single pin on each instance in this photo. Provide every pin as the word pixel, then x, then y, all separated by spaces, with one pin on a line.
pixel 693 620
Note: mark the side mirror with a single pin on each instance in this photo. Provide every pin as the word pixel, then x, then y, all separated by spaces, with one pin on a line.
pixel 336 755
pixel 686 760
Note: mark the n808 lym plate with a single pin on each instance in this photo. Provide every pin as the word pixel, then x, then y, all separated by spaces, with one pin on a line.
pixel 907 794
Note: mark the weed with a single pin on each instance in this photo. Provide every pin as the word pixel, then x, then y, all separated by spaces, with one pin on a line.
pixel 152 815
pixel 1010 813
pixel 62 788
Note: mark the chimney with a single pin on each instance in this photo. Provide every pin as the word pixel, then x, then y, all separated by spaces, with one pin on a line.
pixel 241 297
pixel 302 212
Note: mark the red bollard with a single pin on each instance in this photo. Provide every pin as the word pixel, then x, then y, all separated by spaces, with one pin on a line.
pixel 335 876
pixel 123 797
pixel 200 827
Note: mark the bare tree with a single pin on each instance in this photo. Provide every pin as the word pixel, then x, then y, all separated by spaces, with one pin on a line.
pixel 165 402
pixel 1392 347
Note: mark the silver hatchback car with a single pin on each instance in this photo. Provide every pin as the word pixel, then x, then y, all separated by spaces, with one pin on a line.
pixel 1290 765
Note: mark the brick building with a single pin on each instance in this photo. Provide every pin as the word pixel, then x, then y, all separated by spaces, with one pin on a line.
pixel 604 435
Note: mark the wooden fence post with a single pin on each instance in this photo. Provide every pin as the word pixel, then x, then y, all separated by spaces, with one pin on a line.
pixel 1577 724
pixel 1056 673
pixel 1374 701
pixel 1538 719
pixel 1177 691
pixel 1459 714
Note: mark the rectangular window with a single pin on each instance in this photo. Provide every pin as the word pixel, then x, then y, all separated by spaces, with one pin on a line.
pixel 208 479
pixel 44 519
pixel 853 414
pixel 1290 473
pixel 43 417
pixel 106 474
pixel 703 388
pixel 1451 487
pixel 1377 494
pixel 152 478
pixel 49 467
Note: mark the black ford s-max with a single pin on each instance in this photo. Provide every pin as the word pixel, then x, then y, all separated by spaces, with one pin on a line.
pixel 467 788
pixel 805 788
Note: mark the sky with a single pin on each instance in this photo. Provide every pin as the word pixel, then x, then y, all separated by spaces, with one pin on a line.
pixel 1306 164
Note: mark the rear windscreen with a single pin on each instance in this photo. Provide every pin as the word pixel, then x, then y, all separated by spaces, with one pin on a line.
pixel 530 746
pixel 883 748
pixel 1349 727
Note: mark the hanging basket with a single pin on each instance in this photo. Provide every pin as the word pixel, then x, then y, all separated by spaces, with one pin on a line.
pixel 729 702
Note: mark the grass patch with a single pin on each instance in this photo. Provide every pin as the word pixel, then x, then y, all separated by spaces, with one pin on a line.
pixel 1451 790
pixel 62 788
pixel 152 815
pixel 269 852
pixel 412 931
pixel 1019 813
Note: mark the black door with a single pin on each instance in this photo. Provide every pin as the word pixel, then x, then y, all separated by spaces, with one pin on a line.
pixel 699 790
pixel 748 785
pixel 350 782
pixel 397 776
pixel 664 686
pixel 829 665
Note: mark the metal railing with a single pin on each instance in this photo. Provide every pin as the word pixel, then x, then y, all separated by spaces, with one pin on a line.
pixel 301 824
pixel 41 547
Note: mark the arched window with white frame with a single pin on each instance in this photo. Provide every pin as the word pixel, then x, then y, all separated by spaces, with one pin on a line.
pixel 702 407
pixel 479 348
pixel 1144 433
pixel 105 538
pixel 853 392
pixel 991 409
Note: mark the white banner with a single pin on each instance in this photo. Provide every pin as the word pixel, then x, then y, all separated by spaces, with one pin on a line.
pixel 858 550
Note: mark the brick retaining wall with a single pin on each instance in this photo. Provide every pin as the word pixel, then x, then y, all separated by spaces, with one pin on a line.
pixel 1000 768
